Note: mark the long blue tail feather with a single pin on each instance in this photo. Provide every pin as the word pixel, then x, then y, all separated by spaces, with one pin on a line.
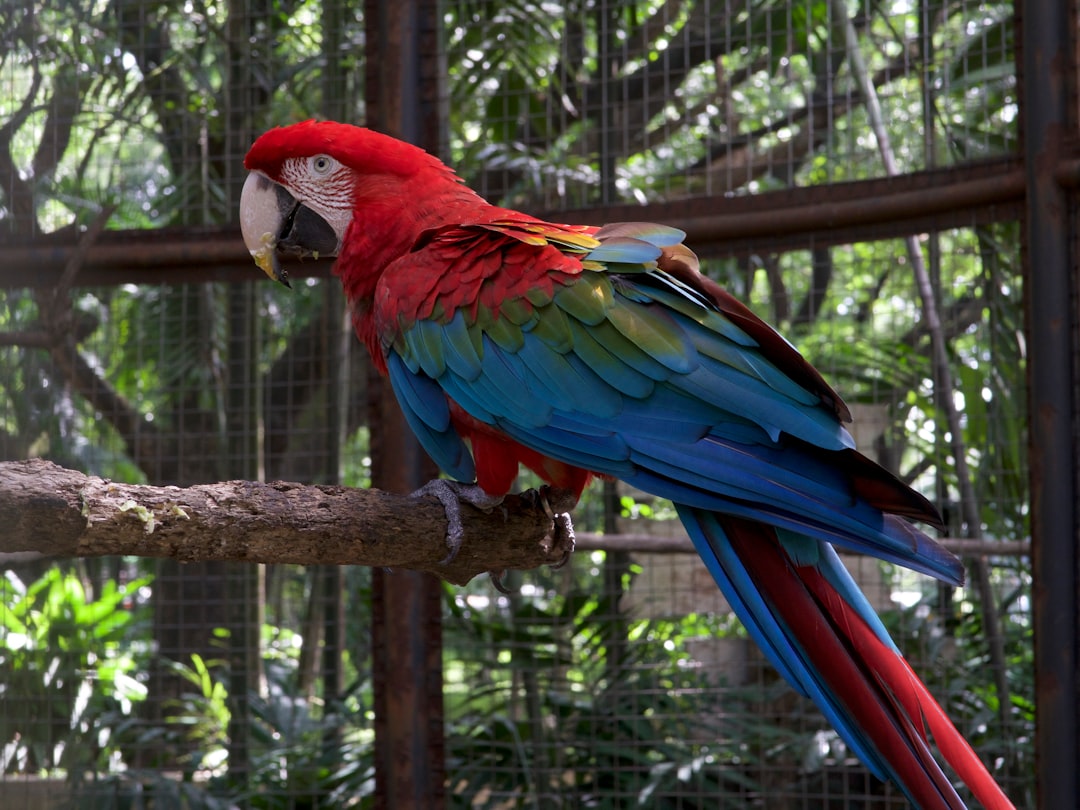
pixel 636 365
pixel 888 741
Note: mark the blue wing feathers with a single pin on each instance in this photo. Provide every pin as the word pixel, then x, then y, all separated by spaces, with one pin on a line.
pixel 750 363
pixel 651 232
pixel 623 250
pixel 587 302
pixel 567 383
pixel 470 398
pixel 788 474
pixel 507 336
pixel 676 296
pixel 620 376
pixel 710 435
pixel 628 353
pixel 426 410
pixel 606 452
pixel 629 371
pixel 746 396
pixel 461 355
pixel 887 541
pixel 429 337
pixel 422 397
pixel 553 329
pixel 655 333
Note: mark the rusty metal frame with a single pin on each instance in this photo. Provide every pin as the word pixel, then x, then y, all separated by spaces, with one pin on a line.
pixel 1040 187
pixel 1047 77
pixel 886 207
pixel 402 96
pixel 960 196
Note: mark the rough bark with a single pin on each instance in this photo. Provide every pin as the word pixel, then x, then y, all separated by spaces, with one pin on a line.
pixel 59 512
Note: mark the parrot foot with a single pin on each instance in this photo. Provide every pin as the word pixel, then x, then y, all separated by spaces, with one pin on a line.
pixel 554 502
pixel 451 494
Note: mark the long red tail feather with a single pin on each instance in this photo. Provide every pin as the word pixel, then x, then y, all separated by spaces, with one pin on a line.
pixel 875 685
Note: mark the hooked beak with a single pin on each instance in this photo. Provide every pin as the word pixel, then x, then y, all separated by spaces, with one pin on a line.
pixel 274 222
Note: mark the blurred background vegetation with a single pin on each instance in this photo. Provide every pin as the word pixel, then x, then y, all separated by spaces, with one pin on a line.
pixel 147 685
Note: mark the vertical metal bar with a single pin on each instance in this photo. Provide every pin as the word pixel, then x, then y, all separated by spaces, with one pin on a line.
pixel 242 592
pixel 403 98
pixel 1045 60
pixel 330 580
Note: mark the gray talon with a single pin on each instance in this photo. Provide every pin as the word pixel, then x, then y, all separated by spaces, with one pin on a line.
pixel 562 530
pixel 451 494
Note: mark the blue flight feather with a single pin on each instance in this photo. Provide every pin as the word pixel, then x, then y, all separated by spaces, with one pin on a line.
pixel 637 369
pixel 768 630
pixel 420 400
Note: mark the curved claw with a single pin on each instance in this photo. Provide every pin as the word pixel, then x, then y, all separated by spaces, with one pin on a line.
pixel 555 502
pixel 562 530
pixel 451 494
pixel 496 580
pixel 562 539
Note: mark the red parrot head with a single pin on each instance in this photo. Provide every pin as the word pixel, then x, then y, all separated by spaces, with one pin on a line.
pixel 313 183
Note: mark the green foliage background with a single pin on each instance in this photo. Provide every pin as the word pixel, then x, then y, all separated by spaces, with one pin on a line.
pixel 555 696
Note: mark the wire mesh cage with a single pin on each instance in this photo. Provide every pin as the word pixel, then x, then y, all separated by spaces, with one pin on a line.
pixel 146 353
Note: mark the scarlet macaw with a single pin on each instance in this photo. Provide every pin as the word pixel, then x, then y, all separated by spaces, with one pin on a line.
pixel 581 351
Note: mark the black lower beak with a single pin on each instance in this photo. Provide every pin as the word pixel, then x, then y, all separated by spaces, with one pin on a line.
pixel 304 233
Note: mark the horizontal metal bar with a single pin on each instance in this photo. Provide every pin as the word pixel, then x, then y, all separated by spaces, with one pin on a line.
pixel 773 220
pixel 158 256
pixel 885 207
pixel 680 544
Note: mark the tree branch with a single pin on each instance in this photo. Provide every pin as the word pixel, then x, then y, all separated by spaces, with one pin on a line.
pixel 60 512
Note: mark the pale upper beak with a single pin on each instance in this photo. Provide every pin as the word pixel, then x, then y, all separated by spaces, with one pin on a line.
pixel 274 222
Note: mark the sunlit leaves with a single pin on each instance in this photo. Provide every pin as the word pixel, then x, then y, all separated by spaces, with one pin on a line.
pixel 81 650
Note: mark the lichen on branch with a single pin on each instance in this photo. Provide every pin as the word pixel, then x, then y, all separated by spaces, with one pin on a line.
pixel 61 512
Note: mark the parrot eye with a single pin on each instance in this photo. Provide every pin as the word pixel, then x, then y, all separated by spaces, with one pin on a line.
pixel 322 164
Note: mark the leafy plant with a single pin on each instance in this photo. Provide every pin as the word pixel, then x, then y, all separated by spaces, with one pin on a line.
pixel 556 695
pixel 82 652
pixel 565 702
pixel 302 754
